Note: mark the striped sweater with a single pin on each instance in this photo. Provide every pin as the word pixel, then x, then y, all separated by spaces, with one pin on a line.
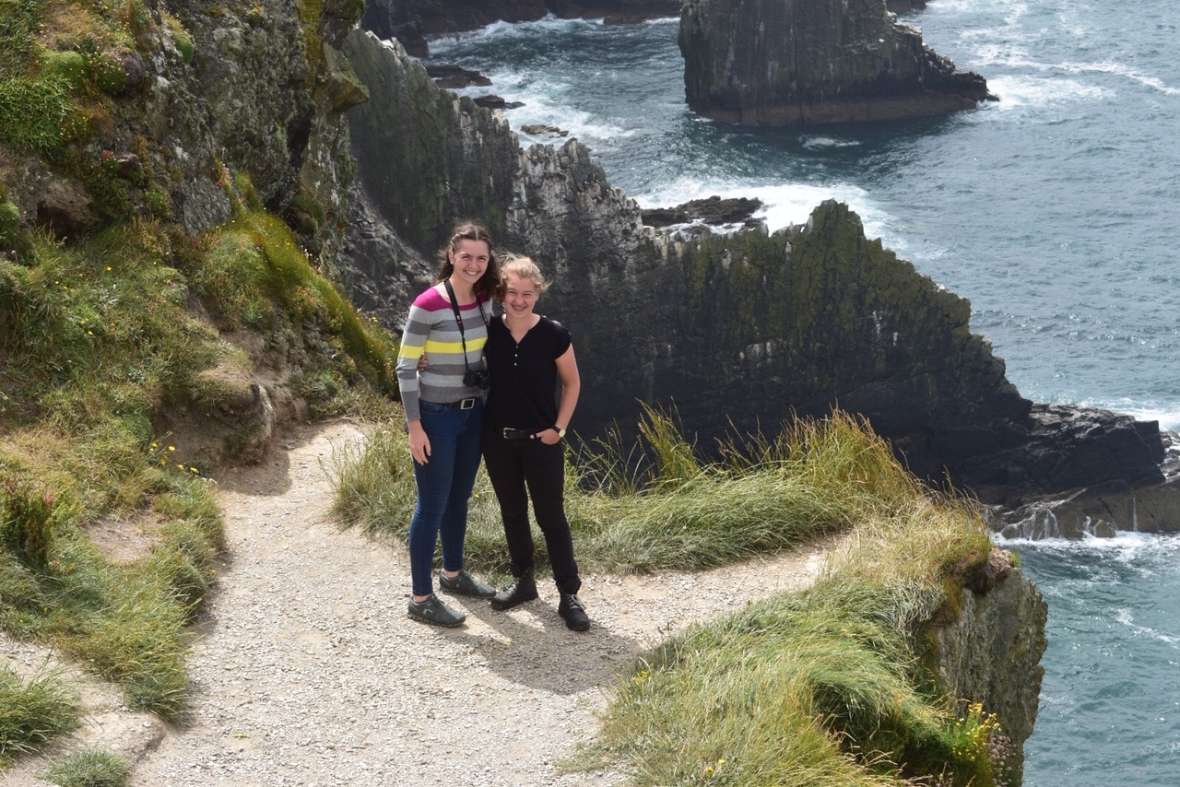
pixel 431 329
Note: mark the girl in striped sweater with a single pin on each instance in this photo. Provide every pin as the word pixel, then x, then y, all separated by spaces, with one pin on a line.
pixel 444 414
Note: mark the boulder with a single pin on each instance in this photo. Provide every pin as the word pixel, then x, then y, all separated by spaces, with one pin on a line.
pixel 812 62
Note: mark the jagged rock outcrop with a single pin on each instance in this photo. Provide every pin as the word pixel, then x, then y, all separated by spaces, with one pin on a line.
pixel 986 647
pixel 791 62
pixel 410 21
pixel 739 331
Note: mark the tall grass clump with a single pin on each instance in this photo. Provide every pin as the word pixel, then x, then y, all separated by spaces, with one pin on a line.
pixel 32 712
pixel 91 768
pixel 825 687
pixel 670 512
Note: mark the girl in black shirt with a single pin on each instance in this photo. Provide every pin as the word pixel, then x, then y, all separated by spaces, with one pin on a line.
pixel 528 354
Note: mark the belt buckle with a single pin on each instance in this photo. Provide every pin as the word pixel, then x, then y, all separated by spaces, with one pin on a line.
pixel 504 432
pixel 467 404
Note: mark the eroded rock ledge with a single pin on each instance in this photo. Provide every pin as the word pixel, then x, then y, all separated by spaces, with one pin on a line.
pixel 812 62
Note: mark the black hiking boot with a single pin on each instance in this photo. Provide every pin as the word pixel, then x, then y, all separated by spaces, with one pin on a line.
pixel 524 589
pixel 435 613
pixel 572 611
pixel 465 585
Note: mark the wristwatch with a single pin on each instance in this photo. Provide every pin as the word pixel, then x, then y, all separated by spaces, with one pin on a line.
pixel 560 430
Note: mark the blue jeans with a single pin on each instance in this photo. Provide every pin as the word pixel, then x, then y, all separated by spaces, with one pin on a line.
pixel 444 485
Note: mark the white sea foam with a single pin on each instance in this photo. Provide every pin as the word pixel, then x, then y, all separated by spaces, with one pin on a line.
pixel 783 204
pixel 499 31
pixel 663 20
pixel 818 143
pixel 545 103
pixel 1023 91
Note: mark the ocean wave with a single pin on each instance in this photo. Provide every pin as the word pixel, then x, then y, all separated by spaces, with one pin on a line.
pixel 783 204
pixel 1119 69
pixel 1025 91
pixel 663 20
pixel 1124 616
pixel 509 30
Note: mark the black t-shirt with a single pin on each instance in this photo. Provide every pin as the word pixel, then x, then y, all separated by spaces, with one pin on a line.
pixel 524 376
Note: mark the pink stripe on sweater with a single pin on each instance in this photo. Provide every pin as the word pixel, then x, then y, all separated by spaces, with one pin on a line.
pixel 432 300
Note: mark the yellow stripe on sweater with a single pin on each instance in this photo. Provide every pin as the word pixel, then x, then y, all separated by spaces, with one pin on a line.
pixel 474 343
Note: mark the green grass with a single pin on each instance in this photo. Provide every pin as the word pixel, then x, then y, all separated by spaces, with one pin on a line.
pixel 826 687
pixel 686 516
pixel 90 769
pixel 98 341
pixel 32 712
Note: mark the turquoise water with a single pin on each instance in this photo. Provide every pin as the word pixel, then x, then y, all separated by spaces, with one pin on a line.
pixel 1054 210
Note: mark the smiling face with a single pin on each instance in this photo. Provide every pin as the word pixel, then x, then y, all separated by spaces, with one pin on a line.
pixel 469 260
pixel 520 295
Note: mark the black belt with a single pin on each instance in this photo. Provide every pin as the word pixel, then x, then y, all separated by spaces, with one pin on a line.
pixel 508 433
pixel 462 404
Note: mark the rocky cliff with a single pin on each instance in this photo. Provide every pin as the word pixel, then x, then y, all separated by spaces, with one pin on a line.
pixel 989 631
pixel 737 331
pixel 790 62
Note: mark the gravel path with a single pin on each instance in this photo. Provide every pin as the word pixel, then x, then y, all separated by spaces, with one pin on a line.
pixel 307 670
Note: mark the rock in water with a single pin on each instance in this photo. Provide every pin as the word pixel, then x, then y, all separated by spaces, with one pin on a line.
pixel 543 130
pixel 811 62
pixel 456 77
pixel 711 210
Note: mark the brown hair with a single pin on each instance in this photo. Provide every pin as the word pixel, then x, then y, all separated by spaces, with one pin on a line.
pixel 488 284
pixel 523 268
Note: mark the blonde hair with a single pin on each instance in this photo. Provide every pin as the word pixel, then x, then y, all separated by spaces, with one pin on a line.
pixel 523 268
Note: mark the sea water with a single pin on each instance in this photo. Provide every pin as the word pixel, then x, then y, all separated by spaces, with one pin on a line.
pixel 1054 210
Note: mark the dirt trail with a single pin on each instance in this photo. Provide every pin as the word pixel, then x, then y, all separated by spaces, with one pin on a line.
pixel 307 670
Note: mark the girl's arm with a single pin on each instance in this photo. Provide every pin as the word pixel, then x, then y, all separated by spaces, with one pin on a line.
pixel 571 386
pixel 413 343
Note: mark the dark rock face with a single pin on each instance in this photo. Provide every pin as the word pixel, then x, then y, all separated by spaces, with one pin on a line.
pixel 711 210
pixel 738 331
pixel 426 157
pixel 811 62
pixel 990 651
pixel 902 6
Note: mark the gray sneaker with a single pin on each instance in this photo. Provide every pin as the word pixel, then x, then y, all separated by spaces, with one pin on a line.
pixel 465 585
pixel 435 612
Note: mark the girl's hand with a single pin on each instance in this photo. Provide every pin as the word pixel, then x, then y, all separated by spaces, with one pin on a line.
pixel 422 363
pixel 548 437
pixel 419 443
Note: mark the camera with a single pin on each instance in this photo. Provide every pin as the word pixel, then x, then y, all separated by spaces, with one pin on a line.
pixel 477 378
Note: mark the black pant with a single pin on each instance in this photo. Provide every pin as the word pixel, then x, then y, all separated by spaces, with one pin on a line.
pixel 513 464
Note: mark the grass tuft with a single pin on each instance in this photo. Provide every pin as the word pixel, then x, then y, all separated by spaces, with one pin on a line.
pixel 32 712
pixel 90 769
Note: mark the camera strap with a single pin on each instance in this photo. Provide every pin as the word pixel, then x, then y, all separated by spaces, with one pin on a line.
pixel 459 318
